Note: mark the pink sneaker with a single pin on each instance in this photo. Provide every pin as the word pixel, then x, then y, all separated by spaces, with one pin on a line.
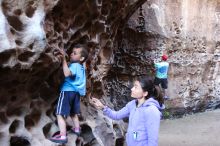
pixel 75 132
pixel 58 139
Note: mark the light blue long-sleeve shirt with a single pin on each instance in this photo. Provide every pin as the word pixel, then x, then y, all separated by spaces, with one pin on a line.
pixel 144 122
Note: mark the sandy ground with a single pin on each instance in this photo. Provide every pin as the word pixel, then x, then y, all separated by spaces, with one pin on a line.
pixel 202 129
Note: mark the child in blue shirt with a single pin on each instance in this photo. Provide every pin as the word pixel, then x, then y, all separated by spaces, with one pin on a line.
pixel 72 88
pixel 161 74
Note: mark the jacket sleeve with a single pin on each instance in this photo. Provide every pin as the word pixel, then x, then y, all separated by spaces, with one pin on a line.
pixel 153 116
pixel 117 115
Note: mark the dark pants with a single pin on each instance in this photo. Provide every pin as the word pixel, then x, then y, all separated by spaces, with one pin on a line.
pixel 163 82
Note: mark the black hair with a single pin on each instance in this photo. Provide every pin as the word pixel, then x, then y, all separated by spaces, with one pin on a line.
pixel 84 52
pixel 147 84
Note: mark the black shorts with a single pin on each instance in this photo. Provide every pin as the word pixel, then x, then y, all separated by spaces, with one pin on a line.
pixel 162 82
pixel 68 103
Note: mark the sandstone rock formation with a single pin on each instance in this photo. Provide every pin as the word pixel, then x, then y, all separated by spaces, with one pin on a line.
pixel 121 47
pixel 192 43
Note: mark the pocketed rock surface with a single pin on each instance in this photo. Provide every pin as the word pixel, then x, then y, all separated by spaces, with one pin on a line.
pixel 124 38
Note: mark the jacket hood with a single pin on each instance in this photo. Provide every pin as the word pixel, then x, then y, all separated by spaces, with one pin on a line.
pixel 151 101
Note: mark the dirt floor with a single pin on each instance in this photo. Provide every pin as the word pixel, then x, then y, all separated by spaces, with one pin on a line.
pixel 202 129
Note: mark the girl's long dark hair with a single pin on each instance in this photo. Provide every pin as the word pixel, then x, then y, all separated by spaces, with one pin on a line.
pixel 147 84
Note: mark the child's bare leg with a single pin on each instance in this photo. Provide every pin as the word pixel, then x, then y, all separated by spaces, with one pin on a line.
pixel 75 121
pixel 76 124
pixel 62 124
pixel 165 92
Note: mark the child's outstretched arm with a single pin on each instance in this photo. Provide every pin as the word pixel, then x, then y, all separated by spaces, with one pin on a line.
pixel 97 103
pixel 66 70
pixel 115 115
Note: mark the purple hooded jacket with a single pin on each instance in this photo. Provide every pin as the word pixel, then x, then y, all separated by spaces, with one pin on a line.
pixel 144 122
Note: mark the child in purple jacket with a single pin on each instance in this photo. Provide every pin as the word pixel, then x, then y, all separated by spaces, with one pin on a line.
pixel 143 112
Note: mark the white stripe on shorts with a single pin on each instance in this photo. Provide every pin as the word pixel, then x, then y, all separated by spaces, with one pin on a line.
pixel 58 103
pixel 59 112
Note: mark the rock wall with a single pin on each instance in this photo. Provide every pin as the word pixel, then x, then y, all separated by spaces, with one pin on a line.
pixel 32 32
pixel 192 43
pixel 31 35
